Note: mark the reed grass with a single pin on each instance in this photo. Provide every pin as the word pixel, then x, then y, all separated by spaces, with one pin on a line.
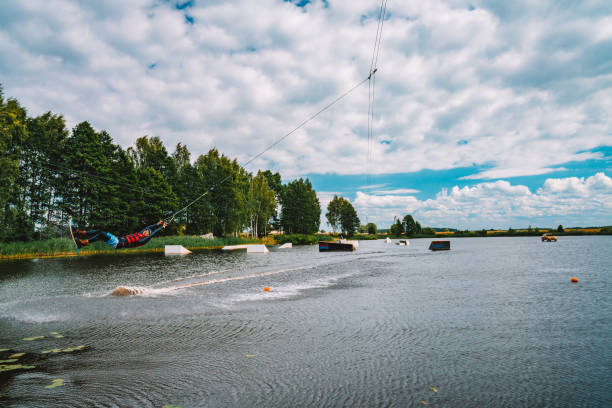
pixel 64 247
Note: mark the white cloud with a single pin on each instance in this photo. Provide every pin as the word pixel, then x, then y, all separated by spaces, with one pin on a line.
pixel 522 89
pixel 499 204
pixel 395 191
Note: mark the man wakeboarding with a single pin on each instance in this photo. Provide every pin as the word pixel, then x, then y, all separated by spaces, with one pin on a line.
pixel 84 237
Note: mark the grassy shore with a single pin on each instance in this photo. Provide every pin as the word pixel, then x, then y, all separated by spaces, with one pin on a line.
pixel 64 247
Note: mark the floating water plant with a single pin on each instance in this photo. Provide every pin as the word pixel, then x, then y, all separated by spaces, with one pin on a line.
pixel 16 355
pixel 12 367
pixel 66 350
pixel 3 349
pixel 12 360
pixel 250 355
pixel 34 338
pixel 433 389
pixel 59 382
pixel 171 406
pixel 56 335
pixel 56 350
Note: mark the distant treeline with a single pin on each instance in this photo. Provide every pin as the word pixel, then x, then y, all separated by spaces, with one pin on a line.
pixel 408 226
pixel 446 232
pixel 48 174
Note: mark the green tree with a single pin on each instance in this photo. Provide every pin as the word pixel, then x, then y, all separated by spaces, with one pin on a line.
pixel 397 228
pixel 228 185
pixel 276 184
pixel 262 204
pixel 560 228
pixel 151 152
pixel 13 132
pixel 349 221
pixel 157 197
pixel 371 228
pixel 301 211
pixel 334 209
pixel 40 173
pixel 409 224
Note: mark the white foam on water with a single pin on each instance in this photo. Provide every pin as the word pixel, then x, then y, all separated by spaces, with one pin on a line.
pixel 17 310
pixel 154 290
pixel 287 291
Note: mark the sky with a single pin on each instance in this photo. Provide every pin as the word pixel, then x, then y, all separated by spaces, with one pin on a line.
pixel 487 114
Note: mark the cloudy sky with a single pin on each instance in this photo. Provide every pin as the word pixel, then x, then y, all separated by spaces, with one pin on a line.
pixel 487 113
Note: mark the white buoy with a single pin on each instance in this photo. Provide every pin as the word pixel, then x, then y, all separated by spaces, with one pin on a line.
pixel 388 240
pixel 259 249
pixel 176 250
pixel 287 245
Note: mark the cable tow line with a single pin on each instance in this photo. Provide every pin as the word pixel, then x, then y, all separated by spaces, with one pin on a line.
pixel 371 86
pixel 338 99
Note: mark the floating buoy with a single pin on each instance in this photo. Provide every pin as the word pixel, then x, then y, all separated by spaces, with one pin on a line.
pixel 267 289
pixel 575 280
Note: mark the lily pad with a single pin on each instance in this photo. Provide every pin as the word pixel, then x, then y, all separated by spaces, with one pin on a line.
pixel 12 360
pixel 34 338
pixel 16 355
pixel 59 382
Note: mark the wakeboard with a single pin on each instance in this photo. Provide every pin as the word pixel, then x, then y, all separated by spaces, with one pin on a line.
pixel 72 236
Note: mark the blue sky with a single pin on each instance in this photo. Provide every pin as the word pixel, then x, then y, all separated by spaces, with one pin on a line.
pixel 487 113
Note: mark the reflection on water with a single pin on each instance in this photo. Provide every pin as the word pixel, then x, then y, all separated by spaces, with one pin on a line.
pixel 493 322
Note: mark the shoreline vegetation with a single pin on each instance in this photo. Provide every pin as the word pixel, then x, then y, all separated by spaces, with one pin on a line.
pixel 64 247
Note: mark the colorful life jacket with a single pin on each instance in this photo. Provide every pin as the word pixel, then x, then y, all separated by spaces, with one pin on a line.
pixel 132 239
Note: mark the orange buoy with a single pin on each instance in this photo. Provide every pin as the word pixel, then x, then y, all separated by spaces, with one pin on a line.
pixel 267 289
pixel 575 280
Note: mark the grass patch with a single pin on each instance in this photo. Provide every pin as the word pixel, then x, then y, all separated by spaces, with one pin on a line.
pixel 64 247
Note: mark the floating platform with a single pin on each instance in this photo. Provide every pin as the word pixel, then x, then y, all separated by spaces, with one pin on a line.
pixel 388 241
pixel 403 242
pixel 286 245
pixel 257 249
pixel 176 250
pixel 233 247
pixel 342 245
pixel 549 238
pixel 251 248
pixel 440 246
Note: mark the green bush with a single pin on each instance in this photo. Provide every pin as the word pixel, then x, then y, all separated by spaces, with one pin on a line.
pixel 299 239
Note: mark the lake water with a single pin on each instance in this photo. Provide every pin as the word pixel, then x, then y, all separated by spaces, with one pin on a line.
pixel 495 322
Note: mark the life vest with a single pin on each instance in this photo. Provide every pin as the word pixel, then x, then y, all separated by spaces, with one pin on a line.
pixel 133 238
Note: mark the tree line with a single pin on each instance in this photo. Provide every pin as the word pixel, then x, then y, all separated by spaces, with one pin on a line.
pixel 48 174
pixel 409 226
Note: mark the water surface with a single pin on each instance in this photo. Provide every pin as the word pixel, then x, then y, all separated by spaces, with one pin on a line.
pixel 493 322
